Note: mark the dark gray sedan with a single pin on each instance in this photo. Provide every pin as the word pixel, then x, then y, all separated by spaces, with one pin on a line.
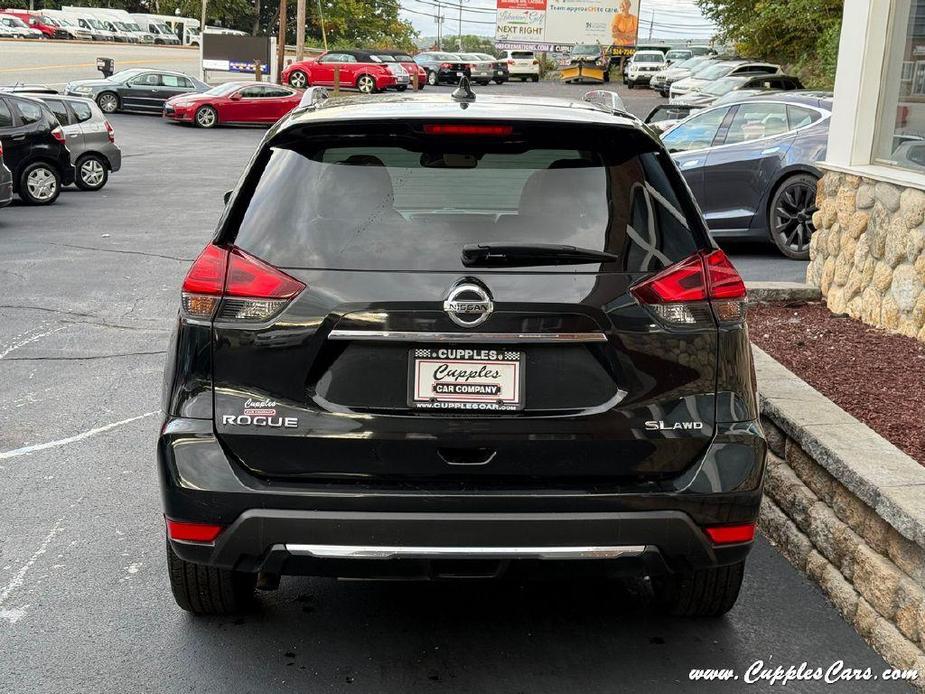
pixel 137 89
pixel 752 166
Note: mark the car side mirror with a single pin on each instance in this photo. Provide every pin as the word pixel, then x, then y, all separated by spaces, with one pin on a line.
pixel 227 196
pixel 235 97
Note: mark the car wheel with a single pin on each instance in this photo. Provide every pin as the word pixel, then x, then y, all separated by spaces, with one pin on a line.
pixel 108 102
pixel 630 85
pixel 206 590
pixel 535 78
pixel 709 592
pixel 401 87
pixel 39 184
pixel 790 217
pixel 298 79
pixel 206 117
pixel 92 172
pixel 366 84
pixel 432 78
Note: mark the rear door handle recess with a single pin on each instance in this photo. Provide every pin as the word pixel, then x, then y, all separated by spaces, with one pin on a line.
pixel 466 456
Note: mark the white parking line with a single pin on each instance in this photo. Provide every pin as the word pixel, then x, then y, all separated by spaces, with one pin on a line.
pixel 26 450
pixel 31 338
pixel 14 615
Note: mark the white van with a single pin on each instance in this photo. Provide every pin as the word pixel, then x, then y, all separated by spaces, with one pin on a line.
pixel 155 25
pixel 522 65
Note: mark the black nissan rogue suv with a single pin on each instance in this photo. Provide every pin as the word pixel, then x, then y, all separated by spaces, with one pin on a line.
pixel 438 337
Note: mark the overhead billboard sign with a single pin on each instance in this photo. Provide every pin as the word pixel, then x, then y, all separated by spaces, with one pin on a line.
pixel 235 53
pixel 545 25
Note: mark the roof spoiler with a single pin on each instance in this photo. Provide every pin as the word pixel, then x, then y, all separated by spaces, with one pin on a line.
pixel 313 97
pixel 607 100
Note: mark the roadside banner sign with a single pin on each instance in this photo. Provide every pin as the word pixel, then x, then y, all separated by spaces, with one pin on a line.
pixel 554 25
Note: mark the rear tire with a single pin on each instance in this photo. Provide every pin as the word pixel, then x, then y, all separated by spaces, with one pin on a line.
pixel 366 84
pixel 790 215
pixel 707 592
pixel 108 102
pixel 206 590
pixel 92 172
pixel 39 184
pixel 298 80
pixel 535 78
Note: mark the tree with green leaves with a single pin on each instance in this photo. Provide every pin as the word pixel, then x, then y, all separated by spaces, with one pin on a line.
pixel 800 34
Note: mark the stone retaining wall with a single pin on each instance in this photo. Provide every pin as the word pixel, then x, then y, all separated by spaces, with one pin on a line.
pixel 845 507
pixel 868 253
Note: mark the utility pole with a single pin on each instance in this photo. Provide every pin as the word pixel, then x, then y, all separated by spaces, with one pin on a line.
pixel 459 38
pixel 281 41
pixel 300 30
pixel 439 24
pixel 651 22
pixel 202 27
pixel 324 35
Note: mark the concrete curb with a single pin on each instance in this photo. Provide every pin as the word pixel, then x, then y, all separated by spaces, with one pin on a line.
pixel 782 291
pixel 847 508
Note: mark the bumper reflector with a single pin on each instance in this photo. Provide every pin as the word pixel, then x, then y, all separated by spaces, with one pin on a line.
pixel 192 532
pixel 731 534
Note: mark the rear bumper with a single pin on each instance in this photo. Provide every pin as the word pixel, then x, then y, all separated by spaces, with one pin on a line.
pixel 269 524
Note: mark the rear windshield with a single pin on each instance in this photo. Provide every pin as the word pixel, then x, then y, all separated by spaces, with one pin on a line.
pixel 522 55
pixel 413 205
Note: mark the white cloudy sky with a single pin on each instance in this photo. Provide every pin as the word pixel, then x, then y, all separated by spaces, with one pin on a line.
pixel 668 18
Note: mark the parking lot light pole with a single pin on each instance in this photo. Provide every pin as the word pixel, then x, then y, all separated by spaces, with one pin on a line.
pixel 281 45
pixel 300 30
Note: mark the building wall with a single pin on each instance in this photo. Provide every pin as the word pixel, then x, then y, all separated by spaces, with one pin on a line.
pixel 868 253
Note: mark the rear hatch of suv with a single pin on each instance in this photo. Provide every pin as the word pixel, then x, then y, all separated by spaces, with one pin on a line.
pixel 475 304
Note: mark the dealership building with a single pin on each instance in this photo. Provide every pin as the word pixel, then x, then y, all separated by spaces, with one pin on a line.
pixel 868 254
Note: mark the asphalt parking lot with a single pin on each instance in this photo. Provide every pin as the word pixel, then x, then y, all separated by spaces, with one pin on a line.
pixel 90 286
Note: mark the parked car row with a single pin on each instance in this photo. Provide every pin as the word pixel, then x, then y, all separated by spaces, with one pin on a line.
pixel 51 140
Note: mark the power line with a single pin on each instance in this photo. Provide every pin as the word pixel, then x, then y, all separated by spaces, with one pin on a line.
pixel 433 16
pixel 456 7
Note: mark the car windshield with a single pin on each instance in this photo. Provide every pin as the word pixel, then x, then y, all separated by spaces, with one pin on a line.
pixel 714 72
pixel 124 75
pixel 654 57
pixel 382 58
pixel 163 29
pixel 64 22
pixel 677 55
pixel 95 23
pixel 724 86
pixel 469 56
pixel 343 204
pixel 226 88
pixel 403 58
pixel 13 21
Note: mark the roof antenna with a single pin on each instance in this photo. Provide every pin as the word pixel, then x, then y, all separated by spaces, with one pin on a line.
pixel 464 91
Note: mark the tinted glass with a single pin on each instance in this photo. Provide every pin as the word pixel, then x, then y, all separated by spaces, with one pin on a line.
pixel 382 207
pixel 757 120
pixel 800 117
pixel 60 110
pixel 82 111
pixel 6 118
pixel 522 55
pixel 29 112
pixel 696 132
pixel 714 72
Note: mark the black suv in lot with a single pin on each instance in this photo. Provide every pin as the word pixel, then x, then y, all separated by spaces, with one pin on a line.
pixel 33 149
pixel 437 337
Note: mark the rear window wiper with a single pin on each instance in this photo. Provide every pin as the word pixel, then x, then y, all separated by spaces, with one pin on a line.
pixel 502 254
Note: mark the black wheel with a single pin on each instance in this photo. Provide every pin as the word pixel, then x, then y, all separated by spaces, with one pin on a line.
pixel 401 87
pixel 702 593
pixel 92 172
pixel 484 83
pixel 499 81
pixel 630 85
pixel 39 184
pixel 432 78
pixel 108 102
pixel 205 590
pixel 206 117
pixel 790 216
pixel 535 78
pixel 366 84
pixel 298 79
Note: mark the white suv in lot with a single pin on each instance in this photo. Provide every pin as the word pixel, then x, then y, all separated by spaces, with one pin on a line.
pixel 642 66
pixel 522 65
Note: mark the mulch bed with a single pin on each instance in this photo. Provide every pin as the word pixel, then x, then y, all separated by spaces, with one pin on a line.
pixel 875 376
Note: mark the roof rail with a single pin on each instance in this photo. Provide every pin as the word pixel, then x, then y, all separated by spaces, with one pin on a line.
pixel 313 97
pixel 607 100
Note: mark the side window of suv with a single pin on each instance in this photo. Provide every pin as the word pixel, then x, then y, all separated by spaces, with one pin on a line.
pixel 6 118
pixel 82 111
pixel 29 112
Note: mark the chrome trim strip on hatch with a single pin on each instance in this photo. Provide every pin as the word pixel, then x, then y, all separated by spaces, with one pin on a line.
pixel 415 336
pixel 389 552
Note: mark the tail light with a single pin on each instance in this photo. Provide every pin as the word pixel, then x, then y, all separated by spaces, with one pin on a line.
pixel 109 131
pixel 731 534
pixel 229 284
pixel 445 66
pixel 685 294
pixel 1 150
pixel 58 134
pixel 510 61
pixel 192 532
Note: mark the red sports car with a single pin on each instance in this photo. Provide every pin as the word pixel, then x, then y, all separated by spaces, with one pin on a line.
pixel 407 62
pixel 233 102
pixel 364 70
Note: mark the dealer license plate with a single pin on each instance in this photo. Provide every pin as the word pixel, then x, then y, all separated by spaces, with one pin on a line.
pixel 466 378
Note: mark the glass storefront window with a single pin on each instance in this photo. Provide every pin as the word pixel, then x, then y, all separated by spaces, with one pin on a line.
pixel 900 137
